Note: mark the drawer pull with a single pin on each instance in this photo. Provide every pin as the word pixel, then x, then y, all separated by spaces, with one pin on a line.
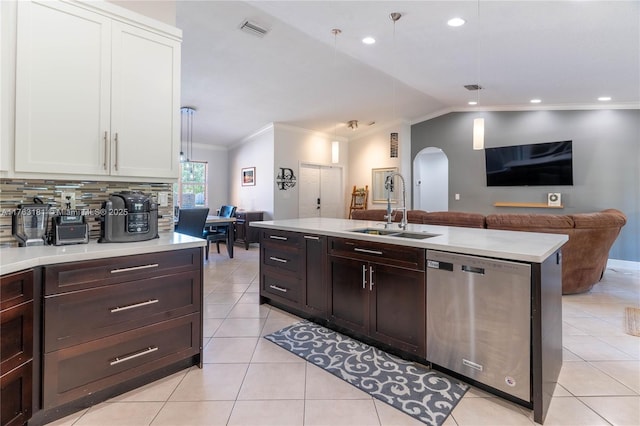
pixel 277 237
pixel 275 287
pixel 135 305
pixel 311 237
pixel 361 250
pixel 118 360
pixel 134 268
pixel 277 259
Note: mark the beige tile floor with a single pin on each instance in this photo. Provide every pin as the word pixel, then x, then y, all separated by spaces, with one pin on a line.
pixel 247 380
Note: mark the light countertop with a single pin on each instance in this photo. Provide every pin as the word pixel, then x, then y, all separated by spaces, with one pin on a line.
pixel 15 259
pixel 513 245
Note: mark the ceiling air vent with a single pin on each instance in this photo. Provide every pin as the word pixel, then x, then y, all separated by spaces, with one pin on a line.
pixel 253 28
pixel 473 87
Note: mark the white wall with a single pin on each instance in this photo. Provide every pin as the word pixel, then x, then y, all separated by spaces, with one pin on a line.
pixel 293 146
pixel 254 151
pixel 371 151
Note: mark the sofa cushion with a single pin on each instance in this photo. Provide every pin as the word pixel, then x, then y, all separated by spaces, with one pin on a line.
pixel 463 219
pixel 604 219
pixel 528 222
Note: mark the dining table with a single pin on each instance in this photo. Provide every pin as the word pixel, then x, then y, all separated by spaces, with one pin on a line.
pixel 213 221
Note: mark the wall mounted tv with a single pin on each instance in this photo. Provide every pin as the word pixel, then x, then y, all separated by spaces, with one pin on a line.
pixel 538 164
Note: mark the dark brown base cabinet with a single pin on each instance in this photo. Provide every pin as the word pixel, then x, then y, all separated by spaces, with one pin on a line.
pixel 17 347
pixel 244 232
pixel 376 292
pixel 108 326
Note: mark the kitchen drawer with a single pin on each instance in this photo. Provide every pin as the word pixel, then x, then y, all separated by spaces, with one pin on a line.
pixel 81 370
pixel 281 286
pixel 87 274
pixel 282 258
pixel 16 336
pixel 16 389
pixel 81 316
pixel 290 240
pixel 389 254
pixel 16 289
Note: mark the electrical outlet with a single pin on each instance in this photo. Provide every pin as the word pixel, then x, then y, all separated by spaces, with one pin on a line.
pixel 457 197
pixel 163 199
pixel 68 200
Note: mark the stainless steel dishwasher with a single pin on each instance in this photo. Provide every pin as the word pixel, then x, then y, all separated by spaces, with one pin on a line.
pixel 479 319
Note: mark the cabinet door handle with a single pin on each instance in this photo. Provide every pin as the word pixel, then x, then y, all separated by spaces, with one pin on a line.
pixel 361 250
pixel 364 276
pixel 275 287
pixel 106 151
pixel 132 306
pixel 370 278
pixel 115 163
pixel 277 259
pixel 311 237
pixel 118 360
pixel 134 268
pixel 277 237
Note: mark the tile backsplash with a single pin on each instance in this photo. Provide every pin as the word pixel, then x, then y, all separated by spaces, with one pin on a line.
pixel 89 197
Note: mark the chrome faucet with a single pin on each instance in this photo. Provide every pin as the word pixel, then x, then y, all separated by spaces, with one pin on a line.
pixel 388 185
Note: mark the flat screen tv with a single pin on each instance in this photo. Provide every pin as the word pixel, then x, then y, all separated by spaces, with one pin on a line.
pixel 538 164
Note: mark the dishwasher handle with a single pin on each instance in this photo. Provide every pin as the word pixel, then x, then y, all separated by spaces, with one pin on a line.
pixel 472 269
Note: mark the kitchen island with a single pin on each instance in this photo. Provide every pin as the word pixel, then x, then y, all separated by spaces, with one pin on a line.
pixel 95 320
pixel 373 282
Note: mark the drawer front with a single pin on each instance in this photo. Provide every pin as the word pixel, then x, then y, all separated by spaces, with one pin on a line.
pixel 16 289
pixel 75 276
pixel 82 316
pixel 16 336
pixel 389 254
pixel 284 239
pixel 281 258
pixel 16 396
pixel 78 371
pixel 281 286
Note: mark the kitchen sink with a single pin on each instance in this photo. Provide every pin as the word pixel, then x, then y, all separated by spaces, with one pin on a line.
pixel 395 233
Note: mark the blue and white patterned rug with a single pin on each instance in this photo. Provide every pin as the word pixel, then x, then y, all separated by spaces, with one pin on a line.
pixel 412 388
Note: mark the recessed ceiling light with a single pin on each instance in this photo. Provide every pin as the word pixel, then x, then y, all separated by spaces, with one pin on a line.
pixel 456 22
pixel 368 40
pixel 604 98
pixel 535 101
pixel 473 103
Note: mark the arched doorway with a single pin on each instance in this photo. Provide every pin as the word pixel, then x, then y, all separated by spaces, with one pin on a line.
pixel 431 180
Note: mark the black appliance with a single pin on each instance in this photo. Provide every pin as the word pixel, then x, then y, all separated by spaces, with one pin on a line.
pixel 69 229
pixel 128 216
pixel 538 164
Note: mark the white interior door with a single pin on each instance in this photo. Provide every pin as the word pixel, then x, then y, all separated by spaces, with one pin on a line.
pixel 320 191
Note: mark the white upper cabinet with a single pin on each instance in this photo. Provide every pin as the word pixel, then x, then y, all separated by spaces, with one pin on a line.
pixel 94 95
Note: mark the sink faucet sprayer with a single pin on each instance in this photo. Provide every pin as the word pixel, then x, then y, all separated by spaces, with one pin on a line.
pixel 388 185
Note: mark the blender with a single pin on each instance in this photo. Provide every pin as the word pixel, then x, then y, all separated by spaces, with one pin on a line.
pixel 29 223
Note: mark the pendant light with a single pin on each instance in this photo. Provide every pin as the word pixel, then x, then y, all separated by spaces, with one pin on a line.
pixel 393 137
pixel 187 115
pixel 335 144
pixel 478 123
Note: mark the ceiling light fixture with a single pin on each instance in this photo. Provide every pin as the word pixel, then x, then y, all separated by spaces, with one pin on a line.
pixel 368 40
pixel 456 22
pixel 604 98
pixel 478 123
pixel 335 144
pixel 352 124
pixel 535 101
pixel 393 137
pixel 187 130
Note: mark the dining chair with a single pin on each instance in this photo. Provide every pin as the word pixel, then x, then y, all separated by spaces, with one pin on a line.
pixel 218 234
pixel 192 222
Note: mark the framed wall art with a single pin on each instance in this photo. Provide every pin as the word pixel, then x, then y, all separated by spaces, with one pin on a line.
pixel 249 176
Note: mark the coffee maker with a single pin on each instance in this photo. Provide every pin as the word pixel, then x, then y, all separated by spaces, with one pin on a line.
pixel 29 224
pixel 128 216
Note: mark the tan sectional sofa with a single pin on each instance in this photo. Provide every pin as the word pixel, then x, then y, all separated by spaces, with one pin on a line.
pixel 585 255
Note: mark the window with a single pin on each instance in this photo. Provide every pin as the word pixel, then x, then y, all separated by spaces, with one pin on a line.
pixel 191 189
